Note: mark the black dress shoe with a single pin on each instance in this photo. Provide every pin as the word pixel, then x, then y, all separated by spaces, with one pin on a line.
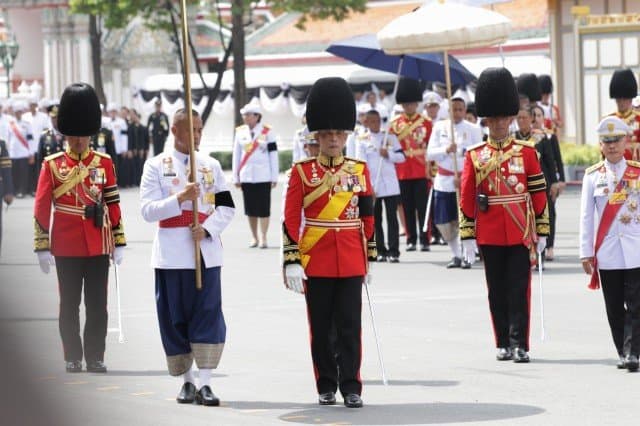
pixel 632 363
pixel 504 354
pixel 425 248
pixel 96 366
pixel 394 259
pixel 352 400
pixel 381 258
pixel 455 263
pixel 206 397
pixel 73 366
pixel 187 393
pixel 520 356
pixel 442 242
pixel 411 247
pixel 328 398
pixel 622 363
pixel 465 265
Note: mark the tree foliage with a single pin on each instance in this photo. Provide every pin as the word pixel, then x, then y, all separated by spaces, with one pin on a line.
pixel 320 9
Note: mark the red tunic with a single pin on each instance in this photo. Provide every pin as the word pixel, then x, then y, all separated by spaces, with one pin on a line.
pixel 413 134
pixel 632 118
pixel 69 183
pixel 332 199
pixel 508 177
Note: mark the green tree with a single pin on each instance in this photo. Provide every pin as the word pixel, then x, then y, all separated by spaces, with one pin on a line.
pixel 165 14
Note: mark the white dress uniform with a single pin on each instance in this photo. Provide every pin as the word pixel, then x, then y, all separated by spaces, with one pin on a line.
pixel 466 134
pixel 611 195
pixel 163 177
pixel 381 170
pixel 39 122
pixel 120 136
pixel 619 249
pixel 19 130
pixel 350 146
pixel 299 138
pixel 262 166
pixel 445 202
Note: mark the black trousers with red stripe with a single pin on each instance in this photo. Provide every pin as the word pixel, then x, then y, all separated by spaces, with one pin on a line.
pixel 74 273
pixel 508 273
pixel 621 291
pixel 334 305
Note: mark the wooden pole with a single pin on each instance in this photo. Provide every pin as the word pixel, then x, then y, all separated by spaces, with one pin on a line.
pixel 192 147
pixel 447 78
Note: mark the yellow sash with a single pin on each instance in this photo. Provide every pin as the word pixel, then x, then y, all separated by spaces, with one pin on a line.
pixel 408 129
pixel 75 176
pixel 336 205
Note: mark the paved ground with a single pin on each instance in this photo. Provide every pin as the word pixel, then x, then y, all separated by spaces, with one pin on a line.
pixel 434 324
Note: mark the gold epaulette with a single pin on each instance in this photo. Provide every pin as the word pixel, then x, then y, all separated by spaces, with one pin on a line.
pixel 530 144
pixel 102 154
pixel 241 126
pixel 267 126
pixel 633 163
pixel 595 167
pixel 476 145
pixel 53 156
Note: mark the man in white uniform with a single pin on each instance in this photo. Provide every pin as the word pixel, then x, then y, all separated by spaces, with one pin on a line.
pixel 381 158
pixel 609 205
pixel 442 150
pixel 119 128
pixel 191 321
pixel 22 150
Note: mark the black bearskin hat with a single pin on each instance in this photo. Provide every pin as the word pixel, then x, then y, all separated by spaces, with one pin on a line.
pixel 79 111
pixel 331 105
pixel 409 90
pixel 529 86
pixel 623 85
pixel 496 94
pixel 546 84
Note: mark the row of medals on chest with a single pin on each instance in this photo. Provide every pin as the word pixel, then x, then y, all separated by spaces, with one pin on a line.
pixel 206 180
pixel 342 181
pixel 96 175
pixel 628 187
pixel 516 166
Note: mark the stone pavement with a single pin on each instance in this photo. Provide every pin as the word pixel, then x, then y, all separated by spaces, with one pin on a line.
pixel 434 325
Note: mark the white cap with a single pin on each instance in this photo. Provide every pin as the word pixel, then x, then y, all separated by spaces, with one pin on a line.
pixel 44 103
pixel 112 106
pixel 363 108
pixel 431 98
pixel 612 128
pixel 251 108
pixel 20 106
pixel 636 102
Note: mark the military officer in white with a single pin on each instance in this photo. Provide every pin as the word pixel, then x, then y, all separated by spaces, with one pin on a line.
pixel 350 146
pixel 442 150
pixel 299 140
pixel 381 158
pixel 192 325
pixel 255 170
pixel 610 235
pixel 121 140
pixel 22 146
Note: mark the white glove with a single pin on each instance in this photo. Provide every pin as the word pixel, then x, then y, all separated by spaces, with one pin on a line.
pixel 46 260
pixel 294 274
pixel 118 255
pixel 542 244
pixel 469 251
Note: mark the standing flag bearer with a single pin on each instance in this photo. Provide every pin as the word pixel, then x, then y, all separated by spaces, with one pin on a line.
pixel 192 324
pixel 503 206
pixel 80 186
pixel 327 258
pixel 610 198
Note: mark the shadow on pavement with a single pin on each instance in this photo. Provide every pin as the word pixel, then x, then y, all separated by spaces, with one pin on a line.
pixel 429 383
pixel 604 361
pixel 410 414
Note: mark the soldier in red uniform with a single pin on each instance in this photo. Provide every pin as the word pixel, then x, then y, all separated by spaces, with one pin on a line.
pixel 623 88
pixel 503 206
pixel 80 185
pixel 413 131
pixel 327 258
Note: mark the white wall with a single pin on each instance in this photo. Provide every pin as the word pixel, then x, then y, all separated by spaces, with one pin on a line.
pixel 27 27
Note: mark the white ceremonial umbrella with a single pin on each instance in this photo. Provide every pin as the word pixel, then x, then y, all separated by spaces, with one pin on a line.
pixel 440 26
